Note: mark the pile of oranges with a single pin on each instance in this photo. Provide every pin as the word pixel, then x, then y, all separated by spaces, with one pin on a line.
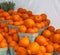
pixel 3 42
pixel 26 20
pixel 44 44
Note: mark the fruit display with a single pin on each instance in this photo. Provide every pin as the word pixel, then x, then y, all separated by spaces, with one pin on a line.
pixel 28 34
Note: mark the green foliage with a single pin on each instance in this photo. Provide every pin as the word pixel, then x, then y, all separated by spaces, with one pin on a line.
pixel 6 6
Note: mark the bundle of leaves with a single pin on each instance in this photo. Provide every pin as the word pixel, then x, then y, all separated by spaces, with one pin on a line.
pixel 6 6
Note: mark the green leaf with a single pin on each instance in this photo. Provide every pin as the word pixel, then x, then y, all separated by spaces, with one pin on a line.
pixel 7 6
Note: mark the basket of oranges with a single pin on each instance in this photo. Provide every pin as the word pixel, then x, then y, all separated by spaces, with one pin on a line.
pixel 3 45
pixel 16 48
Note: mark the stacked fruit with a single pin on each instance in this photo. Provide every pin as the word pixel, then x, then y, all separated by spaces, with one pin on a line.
pixel 28 21
pixel 12 35
pixel 29 27
pixel 4 15
pixel 3 43
pixel 25 18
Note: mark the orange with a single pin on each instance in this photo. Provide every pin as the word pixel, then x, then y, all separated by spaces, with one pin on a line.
pixel 10 22
pixel 29 23
pixel 41 40
pixel 56 38
pixel 47 54
pixel 36 29
pixel 4 40
pixel 11 12
pixel 15 13
pixel 18 23
pixel 31 17
pixel 46 24
pixel 48 21
pixel 22 29
pixel 2 18
pixel 25 16
pixel 37 18
pixel 3 25
pixel 38 25
pixel 24 42
pixel 1 30
pixel 12 31
pixel 21 10
pixel 16 47
pixel 46 33
pixel 49 48
pixel 12 43
pixel 3 43
pixel 1 37
pixel 5 14
pixel 6 29
pixel 1 10
pixel 19 14
pixel 42 24
pixel 21 22
pixel 56 46
pixel 6 35
pixel 21 51
pixel 32 30
pixel 42 49
pixel 40 53
pixel 16 17
pixel 1 14
pixel 8 17
pixel 50 42
pixel 29 13
pixel 3 33
pixel 57 31
pixel 15 37
pixel 51 28
pixel 9 39
pixel 44 16
pixel 33 48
